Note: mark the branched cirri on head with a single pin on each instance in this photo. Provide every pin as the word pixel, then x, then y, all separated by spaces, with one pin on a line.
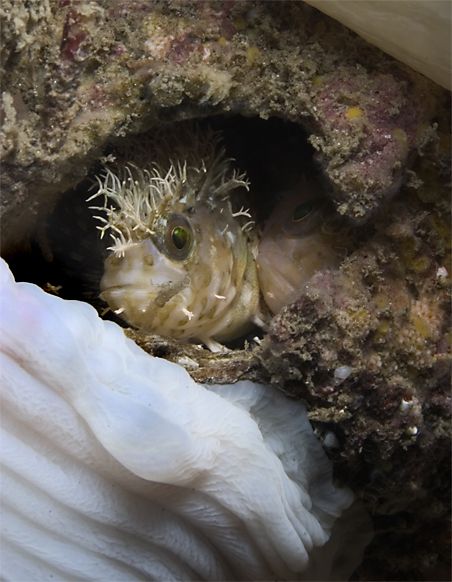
pixel 180 263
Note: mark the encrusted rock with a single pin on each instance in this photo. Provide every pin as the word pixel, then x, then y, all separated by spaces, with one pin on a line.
pixel 76 74
pixel 79 76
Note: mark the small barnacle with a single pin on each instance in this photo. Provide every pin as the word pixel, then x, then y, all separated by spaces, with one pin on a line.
pixel 406 405
pixel 442 276
pixel 342 373
pixel 412 430
pixel 180 263
pixel 330 440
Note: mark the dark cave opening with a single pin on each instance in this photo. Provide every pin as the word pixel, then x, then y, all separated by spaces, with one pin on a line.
pixel 67 255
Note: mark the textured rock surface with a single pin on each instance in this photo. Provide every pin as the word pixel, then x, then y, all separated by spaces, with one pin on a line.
pixel 78 73
pixel 78 76
pixel 385 315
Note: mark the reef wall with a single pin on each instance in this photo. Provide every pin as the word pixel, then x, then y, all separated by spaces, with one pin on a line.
pixel 79 76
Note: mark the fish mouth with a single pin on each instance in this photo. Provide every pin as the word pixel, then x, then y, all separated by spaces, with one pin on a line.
pixel 125 286
pixel 120 289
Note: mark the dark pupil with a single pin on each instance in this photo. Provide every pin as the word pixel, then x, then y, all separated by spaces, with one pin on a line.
pixel 179 237
pixel 302 210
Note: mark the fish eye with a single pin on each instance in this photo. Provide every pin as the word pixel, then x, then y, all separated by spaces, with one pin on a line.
pixel 178 238
pixel 305 217
pixel 302 211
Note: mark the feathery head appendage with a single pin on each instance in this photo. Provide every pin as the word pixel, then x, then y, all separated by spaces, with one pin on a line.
pixel 175 170
pixel 199 162
pixel 133 212
pixel 186 269
pixel 120 246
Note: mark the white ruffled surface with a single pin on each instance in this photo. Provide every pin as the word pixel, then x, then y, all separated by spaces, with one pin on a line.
pixel 416 32
pixel 118 466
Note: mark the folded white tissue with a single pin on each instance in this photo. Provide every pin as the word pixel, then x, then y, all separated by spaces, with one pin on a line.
pixel 118 466
pixel 416 32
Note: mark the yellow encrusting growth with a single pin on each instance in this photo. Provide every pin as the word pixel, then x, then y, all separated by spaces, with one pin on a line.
pixel 448 337
pixel 402 140
pixel 240 23
pixel 317 81
pixel 419 264
pixel 353 112
pixel 253 53
pixel 421 325
pixel 382 301
pixel 384 326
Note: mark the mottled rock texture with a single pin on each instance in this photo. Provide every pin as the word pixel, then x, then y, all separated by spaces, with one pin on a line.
pixel 79 76
pixel 76 74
